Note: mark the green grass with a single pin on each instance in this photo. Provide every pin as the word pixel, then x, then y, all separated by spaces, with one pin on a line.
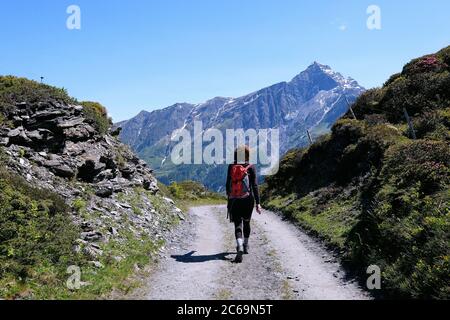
pixel 376 193
pixel 35 263
pixel 37 238
pixel 189 194
pixel 116 275
pixel 331 222
pixel 16 90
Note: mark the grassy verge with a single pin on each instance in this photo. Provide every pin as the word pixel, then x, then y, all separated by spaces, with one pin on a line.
pixel 189 194
pixel 37 238
pixel 95 282
pixel 331 222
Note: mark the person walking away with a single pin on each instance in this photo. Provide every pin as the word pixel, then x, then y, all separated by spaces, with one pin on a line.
pixel 242 191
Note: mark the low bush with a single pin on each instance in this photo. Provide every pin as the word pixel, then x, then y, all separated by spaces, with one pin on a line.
pixel 36 235
pixel 16 90
pixel 97 115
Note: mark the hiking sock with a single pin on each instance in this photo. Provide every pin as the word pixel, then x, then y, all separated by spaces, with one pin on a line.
pixel 240 245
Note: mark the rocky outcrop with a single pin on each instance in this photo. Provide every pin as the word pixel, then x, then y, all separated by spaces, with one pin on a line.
pixel 111 191
pixel 58 137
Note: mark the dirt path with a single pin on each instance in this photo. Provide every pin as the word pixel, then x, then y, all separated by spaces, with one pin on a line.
pixel 283 263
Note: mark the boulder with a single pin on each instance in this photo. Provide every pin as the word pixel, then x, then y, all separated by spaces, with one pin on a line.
pixel 57 166
pixel 64 124
pixel 48 114
pixel 127 171
pixel 104 191
pixel 150 184
pixel 107 174
pixel 92 236
pixel 4 141
pixel 18 136
pixel 35 135
pixel 15 132
pixel 90 169
pixel 79 133
pixel 63 171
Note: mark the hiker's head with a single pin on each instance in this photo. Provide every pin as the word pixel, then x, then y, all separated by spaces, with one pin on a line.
pixel 242 154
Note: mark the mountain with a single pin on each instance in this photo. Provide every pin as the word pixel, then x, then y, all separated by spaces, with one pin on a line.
pixel 377 190
pixel 313 100
pixel 72 195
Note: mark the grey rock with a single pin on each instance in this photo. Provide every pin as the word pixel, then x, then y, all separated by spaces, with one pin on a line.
pixel 4 141
pixel 92 252
pixel 59 168
pixel 104 192
pixel 64 124
pixel 92 236
pixel 80 133
pixel 60 145
pixel 125 205
pixel 113 231
pixel 15 132
pixel 34 135
pixel 105 175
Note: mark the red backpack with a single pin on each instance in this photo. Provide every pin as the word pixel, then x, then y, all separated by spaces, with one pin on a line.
pixel 240 183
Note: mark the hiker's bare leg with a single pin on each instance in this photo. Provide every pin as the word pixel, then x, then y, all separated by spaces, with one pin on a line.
pixel 238 232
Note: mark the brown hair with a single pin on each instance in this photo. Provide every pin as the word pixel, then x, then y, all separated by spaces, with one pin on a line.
pixel 238 154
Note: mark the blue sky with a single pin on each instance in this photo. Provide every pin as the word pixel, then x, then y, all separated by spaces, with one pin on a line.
pixel 140 54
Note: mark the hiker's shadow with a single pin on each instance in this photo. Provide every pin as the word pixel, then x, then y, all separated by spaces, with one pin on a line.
pixel 190 258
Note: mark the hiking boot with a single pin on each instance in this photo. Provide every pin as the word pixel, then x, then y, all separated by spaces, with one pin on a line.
pixel 246 246
pixel 239 257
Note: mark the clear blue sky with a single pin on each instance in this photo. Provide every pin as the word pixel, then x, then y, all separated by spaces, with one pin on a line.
pixel 140 54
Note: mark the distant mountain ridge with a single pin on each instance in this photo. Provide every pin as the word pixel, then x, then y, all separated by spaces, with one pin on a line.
pixel 312 100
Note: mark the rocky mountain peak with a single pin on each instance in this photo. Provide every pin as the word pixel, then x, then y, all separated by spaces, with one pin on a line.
pixel 312 100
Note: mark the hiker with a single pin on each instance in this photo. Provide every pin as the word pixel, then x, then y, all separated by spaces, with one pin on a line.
pixel 242 192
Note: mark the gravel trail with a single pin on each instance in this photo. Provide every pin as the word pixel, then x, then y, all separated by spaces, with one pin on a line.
pixel 284 263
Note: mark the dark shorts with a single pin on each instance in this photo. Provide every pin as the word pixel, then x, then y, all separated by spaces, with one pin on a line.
pixel 241 209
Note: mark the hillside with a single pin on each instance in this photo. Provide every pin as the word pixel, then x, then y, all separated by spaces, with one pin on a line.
pixel 71 195
pixel 312 100
pixel 372 191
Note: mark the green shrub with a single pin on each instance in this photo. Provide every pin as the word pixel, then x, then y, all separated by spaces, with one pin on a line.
pixel 97 115
pixel 407 90
pixel 175 190
pixel 433 125
pixel 16 90
pixel 79 205
pixel 35 231
pixel 407 226
pixel 381 197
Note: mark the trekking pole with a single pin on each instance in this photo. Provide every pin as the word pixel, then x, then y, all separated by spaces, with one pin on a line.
pixel 410 124
pixel 350 108
pixel 309 137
